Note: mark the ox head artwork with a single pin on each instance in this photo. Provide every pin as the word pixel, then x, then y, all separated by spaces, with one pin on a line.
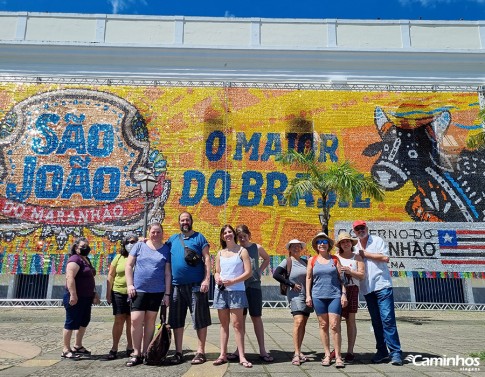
pixel 409 144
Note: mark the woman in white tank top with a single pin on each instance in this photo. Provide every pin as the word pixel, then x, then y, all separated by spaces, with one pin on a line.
pixel 233 267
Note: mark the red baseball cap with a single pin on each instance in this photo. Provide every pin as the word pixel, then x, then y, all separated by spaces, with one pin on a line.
pixel 359 223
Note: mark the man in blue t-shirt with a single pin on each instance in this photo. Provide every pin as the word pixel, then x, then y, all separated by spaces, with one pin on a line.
pixel 190 287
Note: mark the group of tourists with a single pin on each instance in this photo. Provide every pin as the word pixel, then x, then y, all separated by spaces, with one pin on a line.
pixel 329 284
pixel 149 274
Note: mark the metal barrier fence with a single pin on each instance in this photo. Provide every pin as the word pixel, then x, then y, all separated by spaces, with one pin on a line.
pixel 411 293
pixel 269 304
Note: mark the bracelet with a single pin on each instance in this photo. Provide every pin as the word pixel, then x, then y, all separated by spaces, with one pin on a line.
pixel 344 293
pixel 167 294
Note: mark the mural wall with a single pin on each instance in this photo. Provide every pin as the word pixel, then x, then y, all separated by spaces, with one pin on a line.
pixel 71 156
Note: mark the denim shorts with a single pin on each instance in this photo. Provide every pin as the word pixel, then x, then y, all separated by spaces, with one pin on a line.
pixel 229 299
pixel 327 305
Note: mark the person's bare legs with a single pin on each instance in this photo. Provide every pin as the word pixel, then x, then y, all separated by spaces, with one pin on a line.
pixel 129 342
pixel 351 332
pixel 201 336
pixel 117 331
pixel 178 336
pixel 148 329
pixel 79 337
pixel 259 331
pixel 237 319
pixel 224 319
pixel 336 331
pixel 137 318
pixel 323 326
pixel 66 339
pixel 299 324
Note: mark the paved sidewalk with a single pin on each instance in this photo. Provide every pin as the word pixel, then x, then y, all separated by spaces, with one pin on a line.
pixel 30 345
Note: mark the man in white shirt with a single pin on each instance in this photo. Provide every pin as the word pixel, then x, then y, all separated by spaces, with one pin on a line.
pixel 377 290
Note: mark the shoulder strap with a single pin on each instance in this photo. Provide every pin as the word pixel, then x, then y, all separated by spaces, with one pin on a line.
pixel 182 240
pixel 289 264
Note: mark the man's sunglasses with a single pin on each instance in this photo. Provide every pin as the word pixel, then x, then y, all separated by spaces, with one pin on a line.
pixel 322 242
pixel 132 241
pixel 359 228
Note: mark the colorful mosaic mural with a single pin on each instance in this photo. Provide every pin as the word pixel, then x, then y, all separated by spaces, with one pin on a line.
pixel 71 156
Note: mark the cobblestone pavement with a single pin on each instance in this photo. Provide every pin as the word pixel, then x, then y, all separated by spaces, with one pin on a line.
pixel 31 344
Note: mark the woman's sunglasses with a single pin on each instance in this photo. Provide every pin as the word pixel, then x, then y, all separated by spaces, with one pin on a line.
pixel 131 241
pixel 359 228
pixel 322 242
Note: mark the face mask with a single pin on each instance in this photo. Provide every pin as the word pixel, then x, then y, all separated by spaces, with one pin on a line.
pixel 84 251
pixel 128 247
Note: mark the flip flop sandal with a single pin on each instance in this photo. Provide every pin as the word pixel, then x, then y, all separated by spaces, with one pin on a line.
pixel 219 361
pixel 296 360
pixel 326 361
pixel 177 358
pixel 134 360
pixel 267 358
pixel 303 358
pixel 69 355
pixel 81 350
pixel 246 364
pixel 232 356
pixel 112 355
pixel 339 363
pixel 199 358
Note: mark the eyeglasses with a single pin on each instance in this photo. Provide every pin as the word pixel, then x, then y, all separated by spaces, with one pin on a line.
pixel 322 242
pixel 132 241
pixel 359 228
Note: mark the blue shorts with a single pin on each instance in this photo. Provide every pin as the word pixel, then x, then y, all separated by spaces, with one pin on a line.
pixel 78 315
pixel 327 305
pixel 229 299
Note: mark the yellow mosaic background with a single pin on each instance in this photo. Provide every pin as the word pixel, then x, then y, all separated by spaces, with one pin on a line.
pixel 180 119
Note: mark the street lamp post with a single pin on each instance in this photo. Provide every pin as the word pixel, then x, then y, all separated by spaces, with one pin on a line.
pixel 147 184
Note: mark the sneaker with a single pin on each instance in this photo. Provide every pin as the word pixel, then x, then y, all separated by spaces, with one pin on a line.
pixel 396 360
pixel 380 358
pixel 349 358
pixel 332 355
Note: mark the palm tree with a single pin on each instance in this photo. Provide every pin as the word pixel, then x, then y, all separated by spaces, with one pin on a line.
pixel 478 141
pixel 340 178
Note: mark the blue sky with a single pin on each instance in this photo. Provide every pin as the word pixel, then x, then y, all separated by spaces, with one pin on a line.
pixel 353 9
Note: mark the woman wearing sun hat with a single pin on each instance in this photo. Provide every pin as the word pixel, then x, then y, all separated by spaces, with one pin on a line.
pixel 327 294
pixel 353 270
pixel 296 266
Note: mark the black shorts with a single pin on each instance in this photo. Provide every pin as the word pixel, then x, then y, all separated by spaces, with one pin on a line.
pixel 120 303
pixel 144 301
pixel 255 302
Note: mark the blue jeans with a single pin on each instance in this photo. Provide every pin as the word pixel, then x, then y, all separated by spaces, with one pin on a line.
pixel 381 309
